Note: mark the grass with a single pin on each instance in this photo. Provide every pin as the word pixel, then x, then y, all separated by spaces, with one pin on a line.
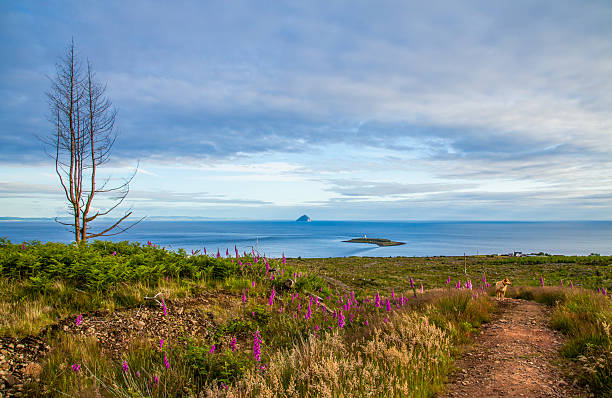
pixel 370 274
pixel 371 330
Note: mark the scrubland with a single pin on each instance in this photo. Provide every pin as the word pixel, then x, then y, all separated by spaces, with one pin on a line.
pixel 121 319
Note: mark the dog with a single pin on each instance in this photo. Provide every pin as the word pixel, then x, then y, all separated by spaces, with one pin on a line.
pixel 500 288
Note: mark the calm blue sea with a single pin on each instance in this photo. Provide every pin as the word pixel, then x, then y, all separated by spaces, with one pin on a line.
pixel 324 238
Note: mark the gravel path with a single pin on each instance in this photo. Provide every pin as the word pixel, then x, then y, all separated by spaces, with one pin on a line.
pixel 514 356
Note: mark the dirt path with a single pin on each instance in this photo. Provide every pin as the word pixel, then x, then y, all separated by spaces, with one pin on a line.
pixel 513 356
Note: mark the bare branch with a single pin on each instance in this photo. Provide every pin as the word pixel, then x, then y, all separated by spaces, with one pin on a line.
pixel 84 134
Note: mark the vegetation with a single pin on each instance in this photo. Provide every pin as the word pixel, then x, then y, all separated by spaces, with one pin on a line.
pixel 379 242
pixel 232 325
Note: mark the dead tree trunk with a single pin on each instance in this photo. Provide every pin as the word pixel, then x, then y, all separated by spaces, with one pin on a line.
pixel 83 137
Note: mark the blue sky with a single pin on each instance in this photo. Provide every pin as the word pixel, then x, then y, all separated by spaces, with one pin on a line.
pixel 472 110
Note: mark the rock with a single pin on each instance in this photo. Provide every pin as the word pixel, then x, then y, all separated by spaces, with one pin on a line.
pixel 304 218
pixel 10 380
pixel 33 370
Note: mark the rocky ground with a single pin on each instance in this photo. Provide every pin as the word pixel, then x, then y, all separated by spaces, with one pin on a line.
pixel 515 355
pixel 196 316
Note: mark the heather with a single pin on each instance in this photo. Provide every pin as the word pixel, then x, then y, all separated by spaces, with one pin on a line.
pixel 124 319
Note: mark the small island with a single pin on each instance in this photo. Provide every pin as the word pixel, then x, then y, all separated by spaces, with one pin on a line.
pixel 304 218
pixel 375 241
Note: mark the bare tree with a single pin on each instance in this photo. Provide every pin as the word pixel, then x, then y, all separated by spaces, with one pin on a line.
pixel 84 134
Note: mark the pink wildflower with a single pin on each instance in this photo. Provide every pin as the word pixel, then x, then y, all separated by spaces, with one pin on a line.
pixel 114 253
pixel 271 300
pixel 541 281
pixel 76 367
pixel 244 299
pixel 79 319
pixel 166 361
pixel 233 344
pixel 341 320
pixel 155 380
pixel 212 349
pixel 125 366
pixel 256 346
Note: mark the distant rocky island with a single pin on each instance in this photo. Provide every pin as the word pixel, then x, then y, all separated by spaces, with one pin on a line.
pixel 375 241
pixel 304 218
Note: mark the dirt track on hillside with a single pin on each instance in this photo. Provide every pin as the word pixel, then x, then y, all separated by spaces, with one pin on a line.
pixel 515 355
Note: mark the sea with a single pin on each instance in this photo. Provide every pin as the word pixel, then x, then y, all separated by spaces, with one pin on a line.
pixel 318 239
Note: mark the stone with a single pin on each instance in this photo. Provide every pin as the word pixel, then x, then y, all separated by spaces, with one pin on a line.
pixel 33 370
pixel 10 380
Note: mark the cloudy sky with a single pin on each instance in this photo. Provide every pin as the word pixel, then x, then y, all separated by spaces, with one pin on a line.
pixel 471 110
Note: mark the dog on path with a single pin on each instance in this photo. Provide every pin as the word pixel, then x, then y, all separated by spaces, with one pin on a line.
pixel 500 288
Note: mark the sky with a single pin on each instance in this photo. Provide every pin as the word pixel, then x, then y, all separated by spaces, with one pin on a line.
pixel 343 110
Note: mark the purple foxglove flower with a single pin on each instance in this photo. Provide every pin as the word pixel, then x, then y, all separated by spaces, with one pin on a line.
pixel 341 320
pixel 256 346
pixel 125 367
pixel 244 299
pixel 218 253
pixel 284 259
pixel 155 380
pixel 76 367
pixel 233 344
pixel 79 319
pixel 388 305
pixel 164 305
pixel 114 253
pixel 227 252
pixel 366 322
pixel 23 246
pixel 572 284
pixel 448 280
pixel 411 283
pixel 252 283
pixel 541 281
pixel 166 363
pixel 271 300
pixel 205 251
pixel 138 373
pixel 212 349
